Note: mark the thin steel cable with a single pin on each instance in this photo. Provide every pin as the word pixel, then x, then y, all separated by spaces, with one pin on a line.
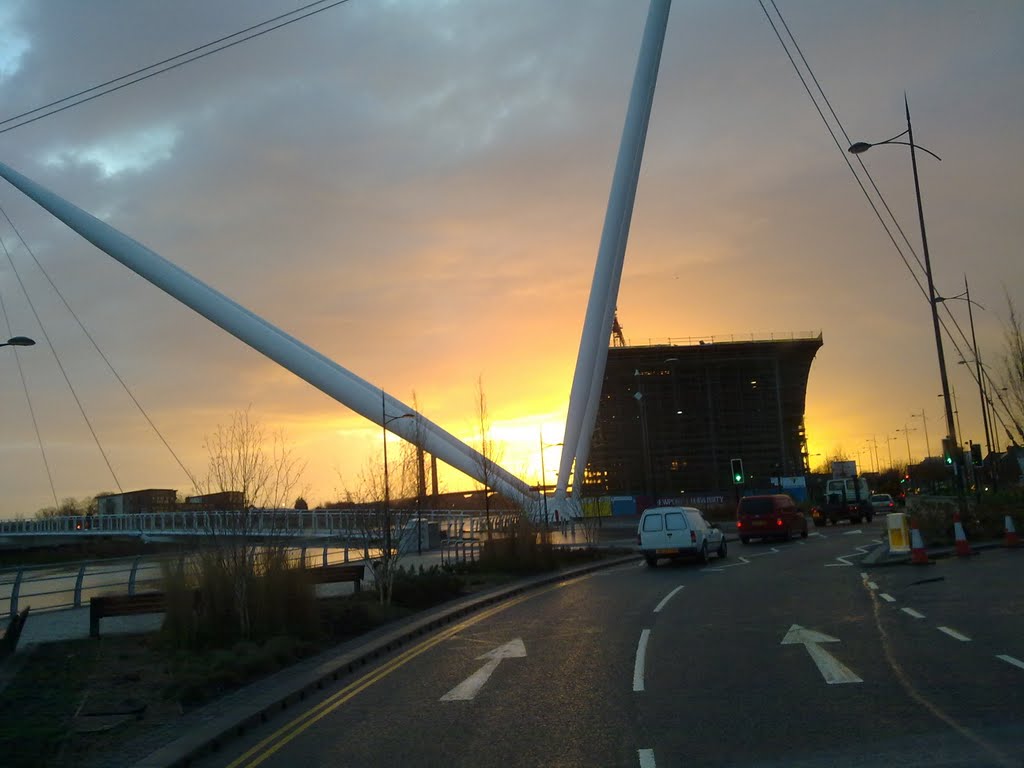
pixel 99 351
pixel 846 136
pixel 878 192
pixel 28 398
pixel 104 90
pixel 842 151
pixel 60 365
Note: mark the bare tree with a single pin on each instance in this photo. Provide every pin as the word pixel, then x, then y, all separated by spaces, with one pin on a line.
pixel 244 459
pixel 825 467
pixel 387 520
pixel 490 452
pixel 1013 366
pixel 264 472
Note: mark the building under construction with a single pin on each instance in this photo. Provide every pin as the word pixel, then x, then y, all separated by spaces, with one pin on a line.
pixel 673 416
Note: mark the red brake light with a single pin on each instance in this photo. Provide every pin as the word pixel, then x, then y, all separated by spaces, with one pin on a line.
pixel 693 537
pixel 739 523
pixel 778 521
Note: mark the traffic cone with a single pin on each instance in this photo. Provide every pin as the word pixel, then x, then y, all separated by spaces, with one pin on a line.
pixel 1012 539
pixel 918 554
pixel 963 549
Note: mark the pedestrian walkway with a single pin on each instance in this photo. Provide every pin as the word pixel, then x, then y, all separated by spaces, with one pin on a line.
pixel 73 623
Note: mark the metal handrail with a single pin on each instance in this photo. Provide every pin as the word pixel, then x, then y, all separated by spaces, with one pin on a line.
pixel 79 580
pixel 255 522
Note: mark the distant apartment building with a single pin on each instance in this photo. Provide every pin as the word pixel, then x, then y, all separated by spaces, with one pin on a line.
pixel 137 502
pixel 672 417
pixel 215 502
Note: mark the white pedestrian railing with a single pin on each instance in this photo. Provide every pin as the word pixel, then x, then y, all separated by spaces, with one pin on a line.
pixel 283 522
pixel 55 587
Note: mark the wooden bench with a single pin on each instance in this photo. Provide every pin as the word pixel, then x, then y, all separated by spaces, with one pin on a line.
pixel 124 605
pixel 330 574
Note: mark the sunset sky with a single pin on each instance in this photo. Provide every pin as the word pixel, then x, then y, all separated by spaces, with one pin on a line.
pixel 416 189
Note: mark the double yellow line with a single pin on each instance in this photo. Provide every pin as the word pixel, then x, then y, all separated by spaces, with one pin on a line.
pixel 279 738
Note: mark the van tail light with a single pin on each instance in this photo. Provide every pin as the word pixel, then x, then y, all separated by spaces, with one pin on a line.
pixel 739 523
pixel 693 537
pixel 638 540
pixel 778 521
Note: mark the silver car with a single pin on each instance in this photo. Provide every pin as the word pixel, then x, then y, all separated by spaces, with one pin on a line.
pixel 882 503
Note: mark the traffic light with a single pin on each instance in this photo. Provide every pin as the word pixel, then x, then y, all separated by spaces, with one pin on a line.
pixel 976 455
pixel 737 471
pixel 948 451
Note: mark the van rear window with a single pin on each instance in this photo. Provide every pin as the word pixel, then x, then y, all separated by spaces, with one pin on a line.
pixel 674 521
pixel 652 523
pixel 756 507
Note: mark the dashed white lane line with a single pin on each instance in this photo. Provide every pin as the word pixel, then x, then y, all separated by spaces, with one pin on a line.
pixel 641 659
pixel 665 599
pixel 954 634
pixel 1010 660
pixel 872 586
pixel 912 612
pixel 646 758
pixel 887 597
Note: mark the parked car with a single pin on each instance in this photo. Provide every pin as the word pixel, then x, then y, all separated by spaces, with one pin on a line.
pixel 677 532
pixel 768 517
pixel 882 503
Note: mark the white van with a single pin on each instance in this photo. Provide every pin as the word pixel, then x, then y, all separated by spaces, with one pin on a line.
pixel 676 532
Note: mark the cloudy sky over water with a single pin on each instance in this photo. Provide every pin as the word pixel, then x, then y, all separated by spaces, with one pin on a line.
pixel 416 189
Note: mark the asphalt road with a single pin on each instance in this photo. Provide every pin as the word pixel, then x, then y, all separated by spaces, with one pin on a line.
pixel 685 665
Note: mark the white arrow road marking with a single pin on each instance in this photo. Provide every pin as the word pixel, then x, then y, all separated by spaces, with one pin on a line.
pixel 470 687
pixel 833 670
pixel 646 758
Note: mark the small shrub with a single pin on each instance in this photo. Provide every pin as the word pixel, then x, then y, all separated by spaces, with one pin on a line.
pixel 425 588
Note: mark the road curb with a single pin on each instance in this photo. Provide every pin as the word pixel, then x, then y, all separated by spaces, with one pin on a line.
pixel 264 705
pixel 880 557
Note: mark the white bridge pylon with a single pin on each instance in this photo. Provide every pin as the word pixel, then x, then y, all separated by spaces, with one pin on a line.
pixel 611 254
pixel 365 399
pixel 304 361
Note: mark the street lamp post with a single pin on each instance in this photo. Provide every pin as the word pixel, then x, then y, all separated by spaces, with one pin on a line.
pixel 924 423
pixel 384 421
pixel 888 444
pixel 18 341
pixel 863 146
pixel 544 476
pixel 906 433
pixel 966 296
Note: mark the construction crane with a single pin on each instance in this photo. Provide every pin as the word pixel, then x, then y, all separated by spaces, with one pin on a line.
pixel 618 340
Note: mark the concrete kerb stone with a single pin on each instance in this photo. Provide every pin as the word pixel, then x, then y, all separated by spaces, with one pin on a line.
pixel 262 707
pixel 880 556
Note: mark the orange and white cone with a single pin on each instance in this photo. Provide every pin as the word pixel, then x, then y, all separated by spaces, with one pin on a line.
pixel 1012 539
pixel 963 549
pixel 918 554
